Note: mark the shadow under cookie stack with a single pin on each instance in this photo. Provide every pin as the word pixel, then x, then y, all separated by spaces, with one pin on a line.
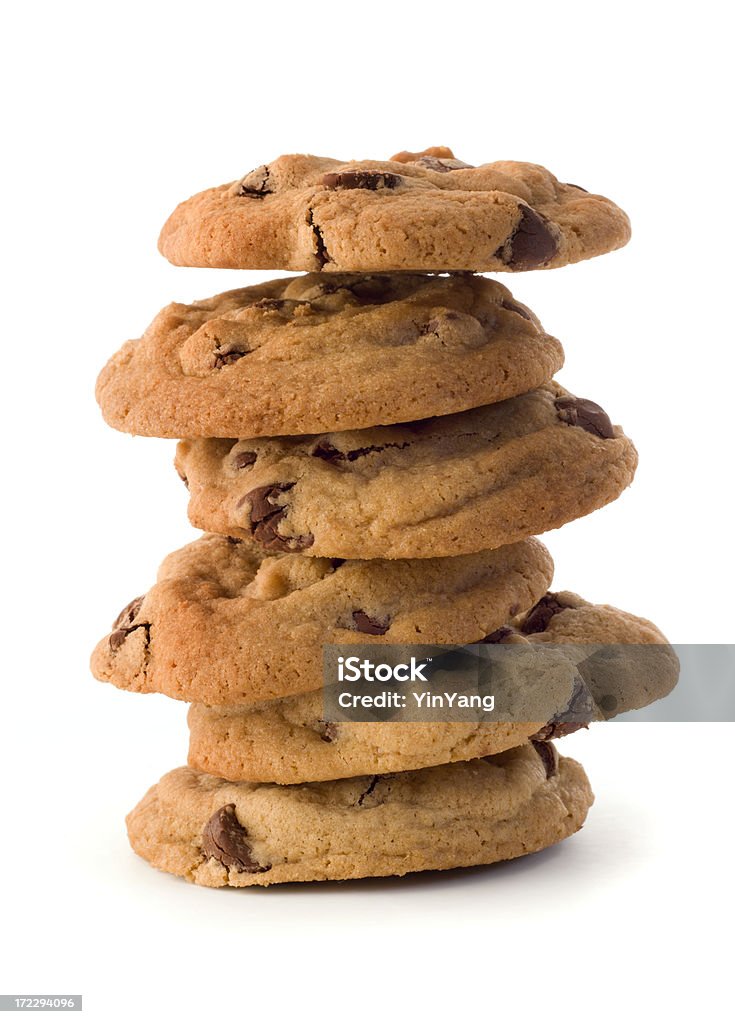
pixel 370 447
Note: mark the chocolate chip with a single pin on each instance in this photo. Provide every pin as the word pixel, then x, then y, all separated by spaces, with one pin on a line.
pixel 581 412
pixel 541 614
pixel 127 615
pixel 255 184
pixel 548 755
pixel 183 478
pixel 581 708
pixel 123 626
pixel 265 516
pixel 570 185
pixel 266 533
pixel 514 308
pixel 286 307
pixel 227 358
pixel 225 840
pixel 244 459
pixel 327 730
pixel 499 635
pixel 531 245
pixel 326 451
pixel 260 504
pixel 359 453
pixel 435 163
pixel 371 180
pixel 336 562
pixel 557 730
pixel 608 703
pixel 373 627
pixel 579 712
pixel 117 639
pixel 119 636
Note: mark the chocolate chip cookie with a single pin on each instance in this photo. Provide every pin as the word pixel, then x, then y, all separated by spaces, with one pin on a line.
pixel 219 833
pixel 289 740
pixel 624 661
pixel 227 624
pixel 450 485
pixel 418 211
pixel 314 353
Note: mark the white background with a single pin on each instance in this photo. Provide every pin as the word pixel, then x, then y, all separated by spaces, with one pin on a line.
pixel 114 114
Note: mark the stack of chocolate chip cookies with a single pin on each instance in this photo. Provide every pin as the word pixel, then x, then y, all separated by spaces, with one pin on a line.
pixel 370 448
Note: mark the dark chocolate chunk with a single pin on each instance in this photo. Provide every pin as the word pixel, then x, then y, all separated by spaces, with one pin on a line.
pixel 127 615
pixel 119 636
pixel 123 626
pixel 548 755
pixel 371 180
pixel 255 184
pixel 326 451
pixel 227 358
pixel 531 245
pixel 441 164
pixel 499 635
pixel 608 703
pixel 328 731
pixel 581 412
pixel 557 730
pixel 244 459
pixel 226 840
pixel 541 614
pixel 577 715
pixel 365 624
pixel 261 505
pixel 117 639
pixel 265 516
pixel 266 533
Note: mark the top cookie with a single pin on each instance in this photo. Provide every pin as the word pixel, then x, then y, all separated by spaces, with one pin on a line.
pixel 417 211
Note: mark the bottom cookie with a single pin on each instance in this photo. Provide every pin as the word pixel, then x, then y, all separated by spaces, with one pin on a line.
pixel 217 833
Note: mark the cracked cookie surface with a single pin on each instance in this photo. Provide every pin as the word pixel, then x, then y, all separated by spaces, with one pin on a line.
pixel 314 353
pixel 289 741
pixel 218 833
pixel 226 624
pixel 445 486
pixel 418 211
